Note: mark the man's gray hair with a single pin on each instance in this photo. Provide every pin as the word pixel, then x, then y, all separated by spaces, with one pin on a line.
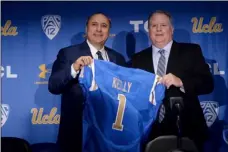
pixel 166 13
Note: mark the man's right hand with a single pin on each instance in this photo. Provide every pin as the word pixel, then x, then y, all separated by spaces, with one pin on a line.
pixel 81 62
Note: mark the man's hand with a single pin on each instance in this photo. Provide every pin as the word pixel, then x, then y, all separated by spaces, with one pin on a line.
pixel 171 79
pixel 81 62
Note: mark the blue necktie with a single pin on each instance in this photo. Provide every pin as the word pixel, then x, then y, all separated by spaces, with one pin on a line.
pixel 99 55
pixel 161 72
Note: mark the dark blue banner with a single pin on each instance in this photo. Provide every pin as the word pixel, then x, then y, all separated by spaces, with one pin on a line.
pixel 33 33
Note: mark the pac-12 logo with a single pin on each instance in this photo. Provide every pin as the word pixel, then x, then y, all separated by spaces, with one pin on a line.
pixel 225 134
pixel 51 25
pixel 210 111
pixel 5 113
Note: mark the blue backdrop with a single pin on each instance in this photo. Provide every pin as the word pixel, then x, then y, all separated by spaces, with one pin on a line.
pixel 33 33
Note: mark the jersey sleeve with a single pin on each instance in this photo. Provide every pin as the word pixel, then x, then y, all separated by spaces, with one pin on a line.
pixel 157 91
pixel 87 77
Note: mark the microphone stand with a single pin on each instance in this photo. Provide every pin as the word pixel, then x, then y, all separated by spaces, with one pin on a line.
pixel 177 106
pixel 179 144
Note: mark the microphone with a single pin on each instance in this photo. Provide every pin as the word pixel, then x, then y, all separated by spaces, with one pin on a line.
pixel 177 102
pixel 178 106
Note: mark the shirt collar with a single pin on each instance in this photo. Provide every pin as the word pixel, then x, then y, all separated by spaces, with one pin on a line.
pixel 93 49
pixel 167 48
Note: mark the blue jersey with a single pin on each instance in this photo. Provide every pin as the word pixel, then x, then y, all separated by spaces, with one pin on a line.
pixel 121 105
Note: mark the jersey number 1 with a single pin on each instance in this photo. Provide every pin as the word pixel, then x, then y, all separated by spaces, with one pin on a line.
pixel 120 113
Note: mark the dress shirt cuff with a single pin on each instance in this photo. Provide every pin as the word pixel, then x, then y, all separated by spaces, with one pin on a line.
pixel 73 72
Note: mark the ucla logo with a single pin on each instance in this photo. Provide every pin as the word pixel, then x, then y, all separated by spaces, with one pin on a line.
pixel 210 110
pixel 38 116
pixel 5 113
pixel 225 134
pixel 7 72
pixel 51 25
pixel 8 29
pixel 214 67
pixel 200 27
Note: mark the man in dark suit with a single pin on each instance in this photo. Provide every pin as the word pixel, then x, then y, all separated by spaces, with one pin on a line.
pixel 64 78
pixel 185 74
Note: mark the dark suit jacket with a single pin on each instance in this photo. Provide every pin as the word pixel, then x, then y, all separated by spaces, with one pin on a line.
pixel 61 82
pixel 186 62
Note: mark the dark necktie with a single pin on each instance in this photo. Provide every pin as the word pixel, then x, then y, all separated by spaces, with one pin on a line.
pixel 99 55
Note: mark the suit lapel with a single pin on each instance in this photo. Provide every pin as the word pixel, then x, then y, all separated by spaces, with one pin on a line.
pixel 85 50
pixel 147 60
pixel 173 58
pixel 151 61
pixel 111 56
